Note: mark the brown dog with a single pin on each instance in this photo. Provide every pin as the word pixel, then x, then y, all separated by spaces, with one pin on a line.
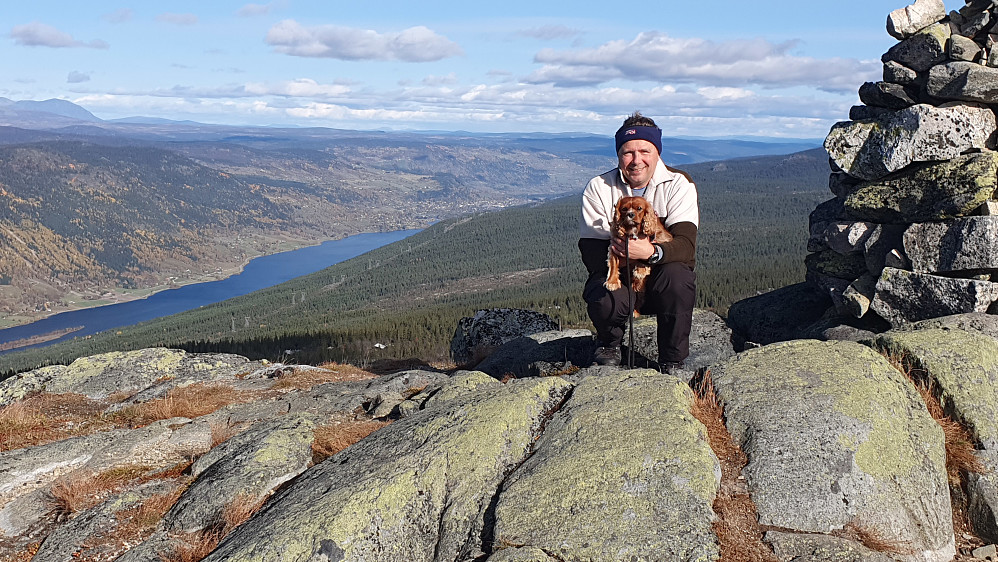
pixel 633 217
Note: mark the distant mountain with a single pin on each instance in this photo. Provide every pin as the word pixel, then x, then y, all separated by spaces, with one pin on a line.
pixel 93 205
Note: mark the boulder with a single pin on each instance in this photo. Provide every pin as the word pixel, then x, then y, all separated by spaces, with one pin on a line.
pixel 964 366
pixel 974 23
pixel 99 376
pixel 982 497
pixel 841 184
pixel 627 491
pixel 478 336
pixel 850 443
pixel 778 315
pixel 888 95
pixel 859 294
pixel 962 48
pixel 841 236
pixel 905 296
pixel 905 22
pixel 986 324
pixel 921 50
pixel 927 192
pixel 898 74
pixel 834 287
pixel 515 358
pixel 245 468
pixel 833 264
pixel 415 490
pixel 710 339
pixel 969 243
pixel 872 148
pixel 807 547
pixel 962 80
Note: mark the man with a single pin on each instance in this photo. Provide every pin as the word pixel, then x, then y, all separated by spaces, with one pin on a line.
pixel 670 291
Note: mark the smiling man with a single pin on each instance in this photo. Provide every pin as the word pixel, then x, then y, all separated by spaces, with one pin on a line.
pixel 670 291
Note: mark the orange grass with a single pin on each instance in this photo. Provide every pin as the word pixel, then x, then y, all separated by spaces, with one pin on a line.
pixel 872 539
pixel 83 489
pixel 222 432
pixel 737 525
pixel 329 372
pixel 44 418
pixel 239 510
pixel 960 457
pixel 196 546
pixel 333 438
pixel 190 401
pixel 960 447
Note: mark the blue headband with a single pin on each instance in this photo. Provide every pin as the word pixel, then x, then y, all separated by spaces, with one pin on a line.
pixel 650 134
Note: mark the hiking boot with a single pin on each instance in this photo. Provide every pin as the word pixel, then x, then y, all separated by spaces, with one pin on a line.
pixel 671 367
pixel 607 356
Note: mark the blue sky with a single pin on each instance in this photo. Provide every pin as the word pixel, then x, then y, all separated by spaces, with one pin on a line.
pixel 709 68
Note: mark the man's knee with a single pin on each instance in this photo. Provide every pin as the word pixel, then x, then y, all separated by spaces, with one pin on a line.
pixel 671 287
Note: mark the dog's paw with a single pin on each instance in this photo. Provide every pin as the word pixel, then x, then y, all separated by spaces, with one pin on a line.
pixel 612 285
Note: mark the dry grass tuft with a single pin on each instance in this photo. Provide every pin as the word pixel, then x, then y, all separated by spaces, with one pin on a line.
pixel 960 457
pixel 194 547
pixel 333 438
pixel 137 523
pixel 83 489
pixel 960 447
pixel 44 418
pixel 24 555
pixel 872 539
pixel 305 379
pixel 222 432
pixel 190 401
pixel 240 510
pixel 737 524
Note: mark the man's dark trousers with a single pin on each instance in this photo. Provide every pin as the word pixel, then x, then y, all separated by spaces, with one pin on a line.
pixel 670 293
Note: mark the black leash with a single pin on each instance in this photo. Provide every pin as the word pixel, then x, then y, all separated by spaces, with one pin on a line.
pixel 630 305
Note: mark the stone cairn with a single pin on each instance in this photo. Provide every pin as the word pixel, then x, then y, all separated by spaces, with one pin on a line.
pixel 912 232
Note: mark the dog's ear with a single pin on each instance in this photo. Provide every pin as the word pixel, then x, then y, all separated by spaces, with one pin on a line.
pixel 616 211
pixel 648 223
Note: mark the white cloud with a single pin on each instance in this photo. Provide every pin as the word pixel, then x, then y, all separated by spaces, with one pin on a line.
pixel 448 80
pixel 302 87
pixel 36 34
pixel 658 57
pixel 119 16
pixel 510 107
pixel 77 77
pixel 549 32
pixel 253 10
pixel 415 44
pixel 177 19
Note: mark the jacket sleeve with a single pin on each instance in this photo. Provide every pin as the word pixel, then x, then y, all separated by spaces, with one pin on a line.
pixel 683 246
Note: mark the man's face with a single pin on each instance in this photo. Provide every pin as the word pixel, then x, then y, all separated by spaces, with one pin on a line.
pixel 637 160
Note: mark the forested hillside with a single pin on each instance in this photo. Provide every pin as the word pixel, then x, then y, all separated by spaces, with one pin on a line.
pixel 409 295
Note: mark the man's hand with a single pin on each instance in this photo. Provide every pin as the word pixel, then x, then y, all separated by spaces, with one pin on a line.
pixel 639 249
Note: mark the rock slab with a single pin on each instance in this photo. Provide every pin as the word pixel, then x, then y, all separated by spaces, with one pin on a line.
pixel 851 442
pixel 622 460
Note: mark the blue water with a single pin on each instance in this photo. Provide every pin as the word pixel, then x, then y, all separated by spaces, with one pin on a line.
pixel 259 273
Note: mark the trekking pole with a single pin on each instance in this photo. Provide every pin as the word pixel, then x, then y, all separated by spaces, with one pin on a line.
pixel 630 305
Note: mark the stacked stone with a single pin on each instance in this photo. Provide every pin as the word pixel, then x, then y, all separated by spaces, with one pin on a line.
pixel 912 231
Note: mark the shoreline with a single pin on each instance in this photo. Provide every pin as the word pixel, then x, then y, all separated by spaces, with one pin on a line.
pixel 120 295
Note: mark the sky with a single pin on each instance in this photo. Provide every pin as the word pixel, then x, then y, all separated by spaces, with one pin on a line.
pixel 718 68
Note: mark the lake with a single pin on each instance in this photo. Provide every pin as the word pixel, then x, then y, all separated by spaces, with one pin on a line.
pixel 259 273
